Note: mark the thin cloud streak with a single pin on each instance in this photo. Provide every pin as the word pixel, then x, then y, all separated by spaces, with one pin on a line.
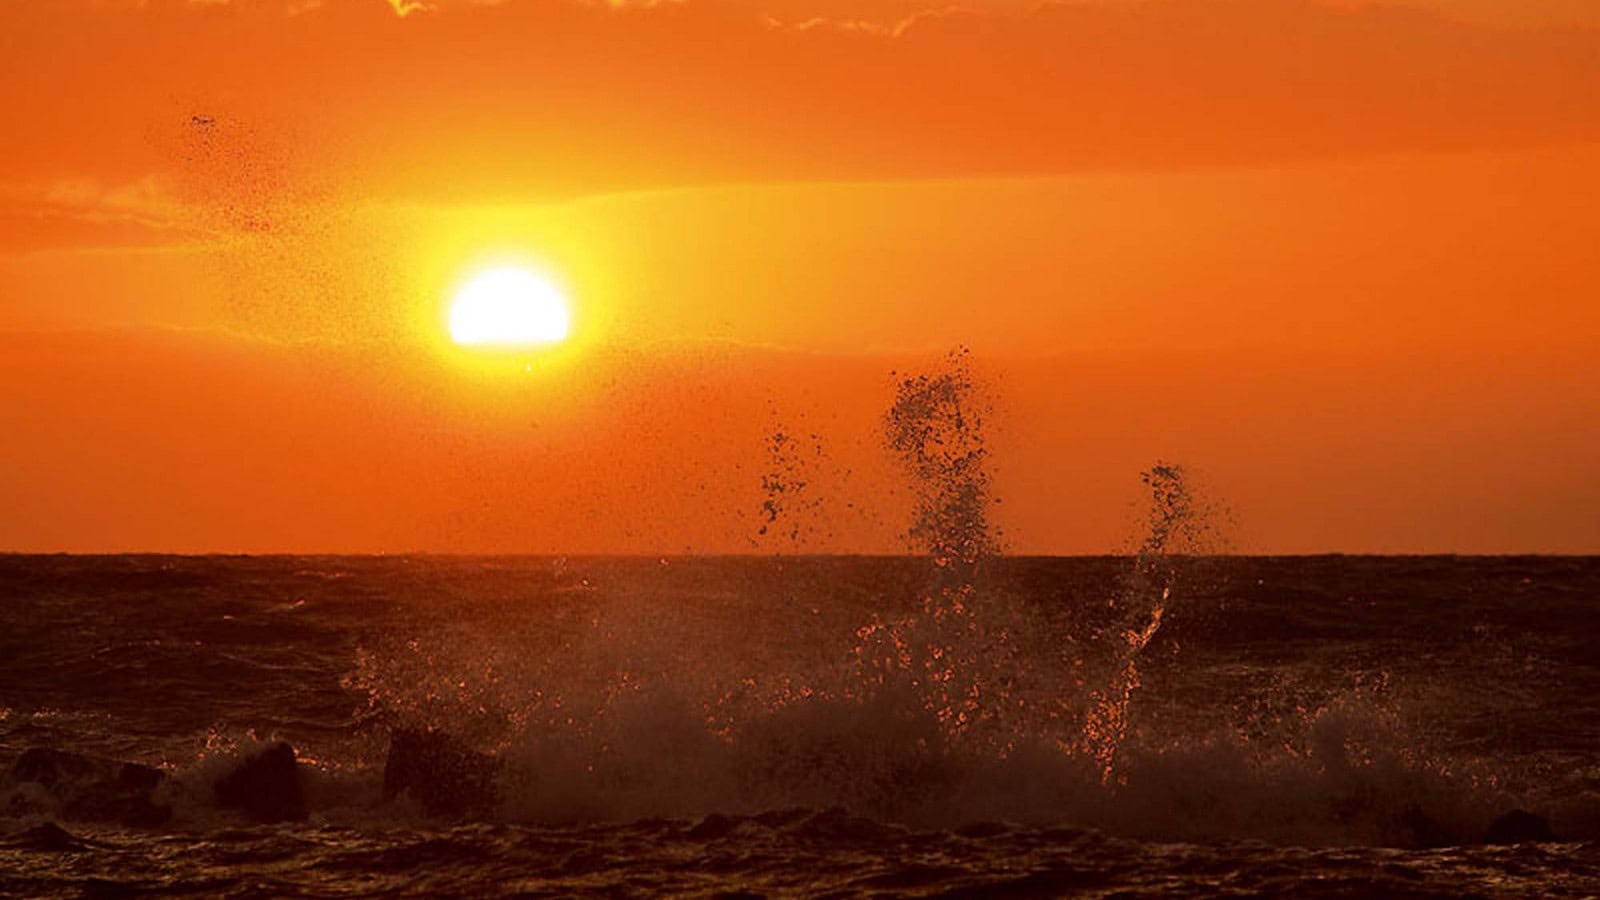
pixel 535 101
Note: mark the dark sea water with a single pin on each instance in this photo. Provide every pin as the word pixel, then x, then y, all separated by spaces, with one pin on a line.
pixel 1328 726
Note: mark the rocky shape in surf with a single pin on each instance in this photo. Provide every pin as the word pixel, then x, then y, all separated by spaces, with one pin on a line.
pixel 712 828
pixel 1519 827
pixel 1415 829
pixel 440 772
pixel 46 838
pixel 87 788
pixel 265 786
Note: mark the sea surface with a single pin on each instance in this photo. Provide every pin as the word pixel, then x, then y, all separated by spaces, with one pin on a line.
pixel 808 726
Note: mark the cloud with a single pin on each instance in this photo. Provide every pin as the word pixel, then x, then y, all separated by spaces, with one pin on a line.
pixel 526 99
pixel 86 212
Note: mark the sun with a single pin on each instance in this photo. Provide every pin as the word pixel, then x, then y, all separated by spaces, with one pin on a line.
pixel 508 307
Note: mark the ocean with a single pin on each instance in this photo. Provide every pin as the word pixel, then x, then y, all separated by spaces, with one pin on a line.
pixel 979 726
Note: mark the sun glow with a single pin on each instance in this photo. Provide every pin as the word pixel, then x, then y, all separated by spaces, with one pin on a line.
pixel 508 307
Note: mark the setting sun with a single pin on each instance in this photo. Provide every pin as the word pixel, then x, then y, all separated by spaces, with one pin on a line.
pixel 508 307
pixel 790 447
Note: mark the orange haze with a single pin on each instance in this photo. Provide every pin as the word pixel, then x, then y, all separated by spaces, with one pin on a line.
pixel 1337 257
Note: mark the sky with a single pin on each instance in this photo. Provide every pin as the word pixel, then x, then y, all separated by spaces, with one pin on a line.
pixel 1335 258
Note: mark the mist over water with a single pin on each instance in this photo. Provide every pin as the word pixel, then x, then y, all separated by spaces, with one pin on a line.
pixel 957 701
pixel 952 698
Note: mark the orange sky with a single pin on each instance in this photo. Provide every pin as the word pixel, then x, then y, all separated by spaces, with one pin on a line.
pixel 1336 257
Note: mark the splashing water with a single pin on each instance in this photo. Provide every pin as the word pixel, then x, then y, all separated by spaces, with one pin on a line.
pixel 790 508
pixel 869 715
pixel 1175 526
pixel 966 654
pixel 958 657
pixel 624 689
pixel 935 428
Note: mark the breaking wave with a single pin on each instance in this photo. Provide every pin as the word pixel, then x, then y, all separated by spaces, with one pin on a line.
pixel 959 700
pixel 1167 693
